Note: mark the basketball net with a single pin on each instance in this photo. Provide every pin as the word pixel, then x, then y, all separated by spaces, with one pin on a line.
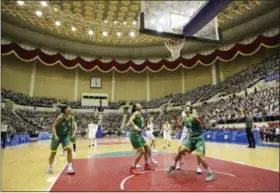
pixel 174 46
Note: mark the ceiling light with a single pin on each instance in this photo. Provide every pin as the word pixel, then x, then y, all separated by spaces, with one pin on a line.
pixel 57 23
pixel 55 9
pixel 73 28
pixel 104 33
pixel 44 3
pixel 20 3
pixel 115 22
pixel 119 34
pixel 132 34
pixel 105 21
pixel 38 13
pixel 134 22
pixel 124 23
pixel 90 32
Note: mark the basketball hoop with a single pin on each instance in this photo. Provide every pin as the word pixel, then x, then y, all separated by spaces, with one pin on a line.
pixel 174 46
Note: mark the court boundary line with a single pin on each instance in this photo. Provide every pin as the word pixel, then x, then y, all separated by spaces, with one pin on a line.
pixel 237 162
pixel 164 169
pixel 58 175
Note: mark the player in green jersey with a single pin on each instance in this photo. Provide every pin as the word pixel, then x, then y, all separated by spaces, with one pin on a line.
pixel 62 128
pixel 195 142
pixel 74 138
pixel 137 140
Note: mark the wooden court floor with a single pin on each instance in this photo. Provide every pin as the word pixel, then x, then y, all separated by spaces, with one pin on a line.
pixel 24 167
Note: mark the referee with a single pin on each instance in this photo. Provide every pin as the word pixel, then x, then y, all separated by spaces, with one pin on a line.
pixel 4 128
pixel 249 130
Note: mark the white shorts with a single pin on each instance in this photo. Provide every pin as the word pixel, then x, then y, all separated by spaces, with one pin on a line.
pixel 167 136
pixel 184 136
pixel 150 136
pixel 91 134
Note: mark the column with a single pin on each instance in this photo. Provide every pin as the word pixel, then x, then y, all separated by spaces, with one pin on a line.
pixel 148 84
pixel 113 86
pixel 32 80
pixel 214 74
pixel 76 84
pixel 221 74
pixel 183 79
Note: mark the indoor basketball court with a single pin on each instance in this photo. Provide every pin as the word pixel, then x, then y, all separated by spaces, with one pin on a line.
pixel 105 167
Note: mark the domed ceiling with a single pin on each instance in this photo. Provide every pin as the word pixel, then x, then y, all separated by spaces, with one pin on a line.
pixel 99 22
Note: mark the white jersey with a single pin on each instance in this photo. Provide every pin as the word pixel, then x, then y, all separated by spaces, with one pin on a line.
pixel 185 131
pixel 92 129
pixel 151 128
pixel 167 132
pixel 149 134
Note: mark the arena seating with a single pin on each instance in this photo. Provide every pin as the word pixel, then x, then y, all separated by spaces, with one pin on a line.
pixel 154 103
pixel 15 123
pixel 192 95
pixel 244 79
pixel 116 105
pixel 264 106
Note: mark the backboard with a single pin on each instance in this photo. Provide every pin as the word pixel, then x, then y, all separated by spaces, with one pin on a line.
pixel 193 20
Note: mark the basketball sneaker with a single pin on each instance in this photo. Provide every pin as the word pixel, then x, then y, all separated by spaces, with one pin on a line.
pixel 171 168
pixel 198 171
pixel 138 166
pixel 134 171
pixel 154 162
pixel 210 177
pixel 70 171
pixel 179 165
pixel 50 170
pixel 149 167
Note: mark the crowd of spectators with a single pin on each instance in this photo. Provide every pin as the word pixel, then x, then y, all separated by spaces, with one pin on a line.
pixel 116 105
pixel 15 123
pixel 23 99
pixel 154 103
pixel 263 106
pixel 192 95
pixel 244 79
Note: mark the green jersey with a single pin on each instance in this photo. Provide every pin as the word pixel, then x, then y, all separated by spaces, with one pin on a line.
pixel 64 127
pixel 138 121
pixel 194 127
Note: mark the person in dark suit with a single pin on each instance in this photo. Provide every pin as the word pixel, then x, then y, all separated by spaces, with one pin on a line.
pixel 249 130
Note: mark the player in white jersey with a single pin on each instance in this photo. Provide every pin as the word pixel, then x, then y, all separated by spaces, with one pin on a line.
pixel 92 129
pixel 166 129
pixel 151 138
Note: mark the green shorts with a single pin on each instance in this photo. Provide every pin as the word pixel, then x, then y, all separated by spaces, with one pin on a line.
pixel 73 139
pixel 137 140
pixel 195 144
pixel 63 139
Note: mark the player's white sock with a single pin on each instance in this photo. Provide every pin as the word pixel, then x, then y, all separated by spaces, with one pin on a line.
pixel 174 163
pixel 50 166
pixel 70 166
pixel 209 170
